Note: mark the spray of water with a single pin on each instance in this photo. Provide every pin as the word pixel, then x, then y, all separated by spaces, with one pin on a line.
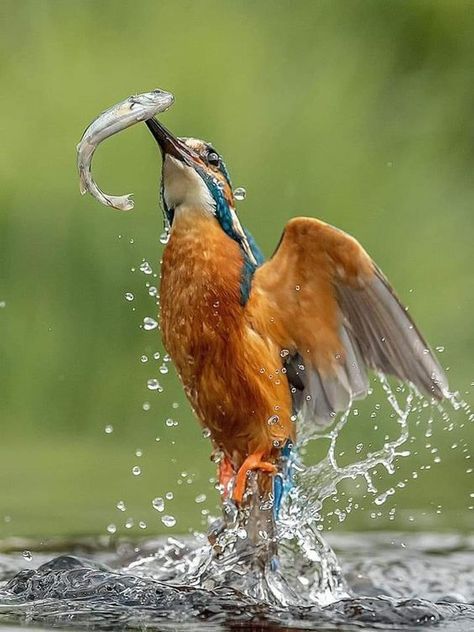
pixel 288 562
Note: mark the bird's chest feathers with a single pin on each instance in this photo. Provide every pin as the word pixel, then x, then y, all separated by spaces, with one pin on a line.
pixel 200 287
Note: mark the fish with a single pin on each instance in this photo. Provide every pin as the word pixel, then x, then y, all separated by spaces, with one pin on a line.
pixel 133 109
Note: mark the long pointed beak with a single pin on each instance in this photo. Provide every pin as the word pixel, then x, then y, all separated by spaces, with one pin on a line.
pixel 169 144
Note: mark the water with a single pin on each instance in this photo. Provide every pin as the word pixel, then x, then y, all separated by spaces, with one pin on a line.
pixel 393 581
pixel 252 572
pixel 240 194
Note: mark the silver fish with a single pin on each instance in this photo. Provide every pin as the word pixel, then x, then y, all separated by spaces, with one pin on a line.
pixel 134 109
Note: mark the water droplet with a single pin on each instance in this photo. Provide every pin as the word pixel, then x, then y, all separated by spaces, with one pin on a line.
pixel 136 470
pixel 381 498
pixel 143 358
pixel 164 369
pixel 164 237
pixel 274 419
pixel 108 429
pixel 156 355
pixel 146 268
pixel 240 193
pixel 121 505
pixel 27 555
pixel 129 523
pixel 297 288
pixel 142 524
pixel 168 521
pixel 284 353
pixel 149 323
pixel 158 503
pixel 111 528
pixel 152 290
pixel 200 498
pixel 169 422
pixel 138 452
pixel 153 385
pixel 129 296
pixel 146 406
pixel 206 433
pixel 169 495
pixel 217 456
pixel 440 349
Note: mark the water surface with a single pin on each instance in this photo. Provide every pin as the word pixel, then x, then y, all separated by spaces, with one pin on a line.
pixel 392 581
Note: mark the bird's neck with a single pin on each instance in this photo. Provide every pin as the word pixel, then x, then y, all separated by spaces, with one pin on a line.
pixel 201 254
pixel 201 237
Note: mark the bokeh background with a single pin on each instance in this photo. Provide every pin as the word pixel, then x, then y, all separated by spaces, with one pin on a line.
pixel 360 113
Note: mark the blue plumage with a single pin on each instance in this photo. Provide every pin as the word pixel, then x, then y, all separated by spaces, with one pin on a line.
pixel 225 219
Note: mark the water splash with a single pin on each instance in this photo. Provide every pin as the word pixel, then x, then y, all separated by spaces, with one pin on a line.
pixel 390 587
pixel 255 556
pixel 281 574
pixel 318 482
pixel 288 562
pixel 248 565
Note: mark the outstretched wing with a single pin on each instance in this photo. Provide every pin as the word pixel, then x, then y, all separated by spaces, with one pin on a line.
pixel 335 315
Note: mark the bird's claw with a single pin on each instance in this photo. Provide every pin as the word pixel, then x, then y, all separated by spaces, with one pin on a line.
pixel 252 462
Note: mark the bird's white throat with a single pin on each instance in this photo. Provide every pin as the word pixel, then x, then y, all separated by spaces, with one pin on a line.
pixel 182 186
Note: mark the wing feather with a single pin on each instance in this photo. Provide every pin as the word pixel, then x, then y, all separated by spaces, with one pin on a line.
pixel 338 316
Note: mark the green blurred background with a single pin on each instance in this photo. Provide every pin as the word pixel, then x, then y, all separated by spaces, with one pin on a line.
pixel 360 113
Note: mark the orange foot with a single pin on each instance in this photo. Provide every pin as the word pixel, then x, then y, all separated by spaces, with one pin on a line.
pixel 226 474
pixel 252 462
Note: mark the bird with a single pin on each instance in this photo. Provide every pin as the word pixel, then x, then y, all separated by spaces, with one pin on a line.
pixel 260 344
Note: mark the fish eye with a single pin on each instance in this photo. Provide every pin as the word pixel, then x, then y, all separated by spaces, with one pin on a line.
pixel 213 158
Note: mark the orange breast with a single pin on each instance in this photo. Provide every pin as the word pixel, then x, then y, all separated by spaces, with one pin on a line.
pixel 231 374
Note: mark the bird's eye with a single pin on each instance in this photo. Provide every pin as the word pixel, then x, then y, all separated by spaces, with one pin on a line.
pixel 213 158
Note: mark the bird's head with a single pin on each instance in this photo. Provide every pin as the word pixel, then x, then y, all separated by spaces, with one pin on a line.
pixel 195 176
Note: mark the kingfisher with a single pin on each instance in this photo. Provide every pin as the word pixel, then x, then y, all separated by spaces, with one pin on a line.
pixel 260 345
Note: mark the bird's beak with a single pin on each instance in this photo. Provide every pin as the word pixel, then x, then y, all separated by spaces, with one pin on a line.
pixel 169 144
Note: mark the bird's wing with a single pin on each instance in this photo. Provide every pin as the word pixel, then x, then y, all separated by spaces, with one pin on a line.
pixel 335 315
